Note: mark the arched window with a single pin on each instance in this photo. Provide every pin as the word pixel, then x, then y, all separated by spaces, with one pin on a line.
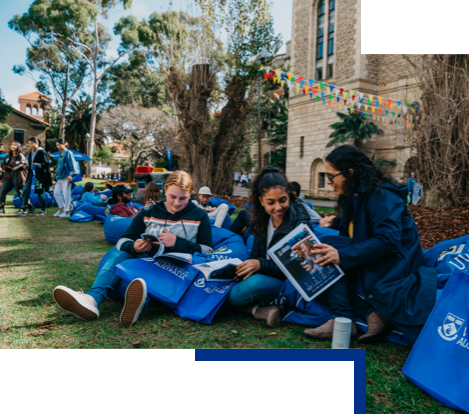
pixel 330 39
pixel 320 40
pixel 34 110
pixel 28 109
pixel 40 112
pixel 317 177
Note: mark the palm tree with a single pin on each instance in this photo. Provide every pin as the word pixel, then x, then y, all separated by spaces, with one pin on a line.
pixel 352 127
pixel 381 162
pixel 78 124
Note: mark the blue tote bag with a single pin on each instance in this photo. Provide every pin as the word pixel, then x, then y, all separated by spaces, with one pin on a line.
pixel 77 178
pixel 81 217
pixel 203 300
pixel 167 279
pixel 439 361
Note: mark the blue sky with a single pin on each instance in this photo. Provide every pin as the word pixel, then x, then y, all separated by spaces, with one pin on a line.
pixel 13 46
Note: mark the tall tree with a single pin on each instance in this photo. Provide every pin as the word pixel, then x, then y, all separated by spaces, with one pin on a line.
pixel 352 127
pixel 51 28
pixel 5 110
pixel 208 84
pixel 144 132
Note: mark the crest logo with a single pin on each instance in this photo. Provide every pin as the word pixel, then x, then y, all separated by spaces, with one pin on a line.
pixel 223 249
pixel 200 282
pixel 451 326
pixel 451 250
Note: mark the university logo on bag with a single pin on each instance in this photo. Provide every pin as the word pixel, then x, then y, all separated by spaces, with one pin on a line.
pixel 451 326
pixel 451 250
pixel 200 282
pixel 223 249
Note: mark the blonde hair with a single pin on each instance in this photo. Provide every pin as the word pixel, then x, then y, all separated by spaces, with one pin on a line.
pixel 180 179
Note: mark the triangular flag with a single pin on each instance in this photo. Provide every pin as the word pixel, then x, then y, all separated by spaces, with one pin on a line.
pixel 361 99
pixel 297 88
pixel 338 98
pixel 361 95
pixel 329 103
pixel 374 116
pixel 359 105
pixel 310 95
pixel 265 76
pixel 384 104
pixel 282 76
pixel 345 101
pixel 353 97
pixel 282 83
pixel 268 69
pixel 380 110
pixel 369 101
pixel 315 91
pixel 275 79
pixel 356 112
pixel 407 103
pixel 304 92
pixel 352 92
pixel 373 109
pixel 387 112
pixel 300 79
pixel 366 114
pixel 341 91
pixel 366 107
pixel 395 122
pixel 345 94
pixel 321 85
pixel 405 109
pixel 398 103
pixel 389 101
pixel 393 114
pixel 317 98
pixel 311 82
pixel 361 113
pixel 346 108
pixel 289 76
pixel 370 96
pixel 331 88
pixel 322 95
pixel 380 99
pixel 323 100
pixel 337 92
pixel 330 97
pixel 279 72
pixel 377 103
pixel 262 68
pixel 391 105
pixel 292 79
pixel 335 103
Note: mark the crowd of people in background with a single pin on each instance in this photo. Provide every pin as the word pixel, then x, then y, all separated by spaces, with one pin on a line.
pixel 242 178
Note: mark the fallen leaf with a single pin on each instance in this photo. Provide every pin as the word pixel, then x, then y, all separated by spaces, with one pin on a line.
pixel 137 344
pixel 191 333
pixel 43 324
pixel 272 333
pixel 259 336
pixel 234 331
pixel 165 325
pixel 95 340
pixel 368 381
pixel 154 326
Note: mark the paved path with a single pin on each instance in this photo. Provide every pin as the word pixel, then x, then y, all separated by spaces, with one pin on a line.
pixel 244 192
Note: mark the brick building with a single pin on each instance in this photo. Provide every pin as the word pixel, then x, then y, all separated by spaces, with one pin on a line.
pixel 28 121
pixel 326 47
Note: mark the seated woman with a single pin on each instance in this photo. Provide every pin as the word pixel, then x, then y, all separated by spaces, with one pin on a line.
pixel 107 187
pixel 180 226
pixel 275 214
pixel 88 197
pixel 378 246
pixel 152 194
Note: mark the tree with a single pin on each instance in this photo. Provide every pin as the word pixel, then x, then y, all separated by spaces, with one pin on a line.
pixel 352 127
pixel 144 132
pixel 440 134
pixel 51 28
pixel 104 154
pixel 211 99
pixel 5 110
pixel 381 162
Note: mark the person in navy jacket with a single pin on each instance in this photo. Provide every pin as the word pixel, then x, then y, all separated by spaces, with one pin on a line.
pixel 378 249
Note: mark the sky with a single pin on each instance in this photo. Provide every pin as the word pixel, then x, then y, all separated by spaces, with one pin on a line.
pixel 13 46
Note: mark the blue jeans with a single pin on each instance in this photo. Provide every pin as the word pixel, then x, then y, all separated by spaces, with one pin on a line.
pixel 106 281
pixel 256 289
pixel 27 193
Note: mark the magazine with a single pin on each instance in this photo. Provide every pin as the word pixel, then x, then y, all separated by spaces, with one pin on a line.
pixel 293 256
pixel 220 270
pixel 186 257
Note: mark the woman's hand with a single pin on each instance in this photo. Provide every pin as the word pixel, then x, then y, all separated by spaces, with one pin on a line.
pixel 35 164
pixel 149 203
pixel 326 221
pixel 168 239
pixel 247 269
pixel 142 246
pixel 104 197
pixel 331 255
pixel 69 178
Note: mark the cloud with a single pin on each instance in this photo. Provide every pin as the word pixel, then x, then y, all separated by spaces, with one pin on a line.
pixel 112 53
pixel 12 95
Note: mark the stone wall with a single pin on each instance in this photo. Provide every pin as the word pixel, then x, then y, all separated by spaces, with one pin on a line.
pixel 31 129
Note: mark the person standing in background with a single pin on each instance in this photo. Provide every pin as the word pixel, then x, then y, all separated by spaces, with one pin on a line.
pixel 15 173
pixel 236 178
pixel 410 186
pixel 65 173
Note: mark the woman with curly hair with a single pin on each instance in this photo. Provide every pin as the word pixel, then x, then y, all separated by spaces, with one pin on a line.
pixel 275 214
pixel 378 247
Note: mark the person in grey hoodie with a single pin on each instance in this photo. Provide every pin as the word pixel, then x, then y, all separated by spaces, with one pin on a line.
pixel 66 170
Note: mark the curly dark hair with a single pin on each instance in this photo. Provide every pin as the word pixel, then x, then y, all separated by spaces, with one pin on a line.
pixel 269 177
pixel 365 174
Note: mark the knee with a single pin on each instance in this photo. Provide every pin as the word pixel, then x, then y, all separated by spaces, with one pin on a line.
pixel 224 208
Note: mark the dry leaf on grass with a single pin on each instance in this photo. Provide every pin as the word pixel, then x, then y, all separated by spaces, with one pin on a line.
pixel 165 325
pixel 137 344
pixel 272 334
pixel 235 332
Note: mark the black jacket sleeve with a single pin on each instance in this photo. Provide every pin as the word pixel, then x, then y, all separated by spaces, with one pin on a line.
pixel 133 233
pixel 204 242
pixel 268 267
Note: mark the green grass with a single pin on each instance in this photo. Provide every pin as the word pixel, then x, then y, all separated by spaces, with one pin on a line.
pixel 39 253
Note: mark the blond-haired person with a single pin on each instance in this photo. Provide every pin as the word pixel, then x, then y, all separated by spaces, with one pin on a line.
pixel 181 227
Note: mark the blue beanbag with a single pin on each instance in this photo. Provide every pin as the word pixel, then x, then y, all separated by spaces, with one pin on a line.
pixel 77 190
pixel 226 223
pixel 309 205
pixel 81 217
pixel 34 200
pixel 115 227
pixel 95 211
pixel 217 201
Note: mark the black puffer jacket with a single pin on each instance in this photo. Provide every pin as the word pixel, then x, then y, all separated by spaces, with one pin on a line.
pixel 295 216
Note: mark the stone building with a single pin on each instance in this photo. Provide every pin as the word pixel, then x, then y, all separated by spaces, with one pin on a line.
pixel 326 47
pixel 28 121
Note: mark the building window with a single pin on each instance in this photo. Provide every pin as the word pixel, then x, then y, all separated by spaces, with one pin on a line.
pixel 322 180
pixel 330 39
pixel 19 137
pixel 320 40
pixel 302 146
pixel 28 109
pixel 34 111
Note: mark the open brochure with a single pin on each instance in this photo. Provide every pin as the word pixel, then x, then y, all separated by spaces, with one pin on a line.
pixel 186 257
pixel 220 270
pixel 293 256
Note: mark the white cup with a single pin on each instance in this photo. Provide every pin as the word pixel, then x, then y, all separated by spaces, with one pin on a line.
pixel 341 333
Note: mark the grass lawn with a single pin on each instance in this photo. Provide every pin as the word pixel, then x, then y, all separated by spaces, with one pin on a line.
pixel 39 253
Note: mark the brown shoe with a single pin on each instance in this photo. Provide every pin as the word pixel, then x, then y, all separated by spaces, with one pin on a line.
pixel 270 314
pixel 377 329
pixel 325 331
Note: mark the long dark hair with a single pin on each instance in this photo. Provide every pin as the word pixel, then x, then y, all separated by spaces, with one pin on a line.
pixel 365 174
pixel 18 150
pixel 269 177
pixel 89 186
pixel 37 141
pixel 152 192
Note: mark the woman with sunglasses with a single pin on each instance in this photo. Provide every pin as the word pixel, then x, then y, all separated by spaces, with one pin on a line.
pixel 378 247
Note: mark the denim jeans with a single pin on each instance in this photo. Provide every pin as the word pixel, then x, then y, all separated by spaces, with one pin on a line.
pixel 7 187
pixel 256 289
pixel 341 296
pixel 106 281
pixel 27 193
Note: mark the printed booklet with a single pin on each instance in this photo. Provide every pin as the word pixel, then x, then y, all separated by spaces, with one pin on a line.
pixel 220 270
pixel 293 255
pixel 186 257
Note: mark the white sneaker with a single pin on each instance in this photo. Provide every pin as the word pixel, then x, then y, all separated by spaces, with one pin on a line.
pixel 78 303
pixel 65 214
pixel 135 297
pixel 59 212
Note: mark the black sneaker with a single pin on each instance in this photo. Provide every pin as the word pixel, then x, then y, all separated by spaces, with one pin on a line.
pixel 31 208
pixel 2 210
pixel 41 213
pixel 21 213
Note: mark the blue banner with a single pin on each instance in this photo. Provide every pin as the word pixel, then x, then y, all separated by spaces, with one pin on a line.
pixel 168 153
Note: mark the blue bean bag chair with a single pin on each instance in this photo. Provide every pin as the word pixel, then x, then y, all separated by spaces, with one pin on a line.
pixel 77 190
pixel 249 244
pixel 34 200
pixel 309 205
pixel 227 245
pixel 217 201
pixel 226 223
pixel 115 227
pixel 323 231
